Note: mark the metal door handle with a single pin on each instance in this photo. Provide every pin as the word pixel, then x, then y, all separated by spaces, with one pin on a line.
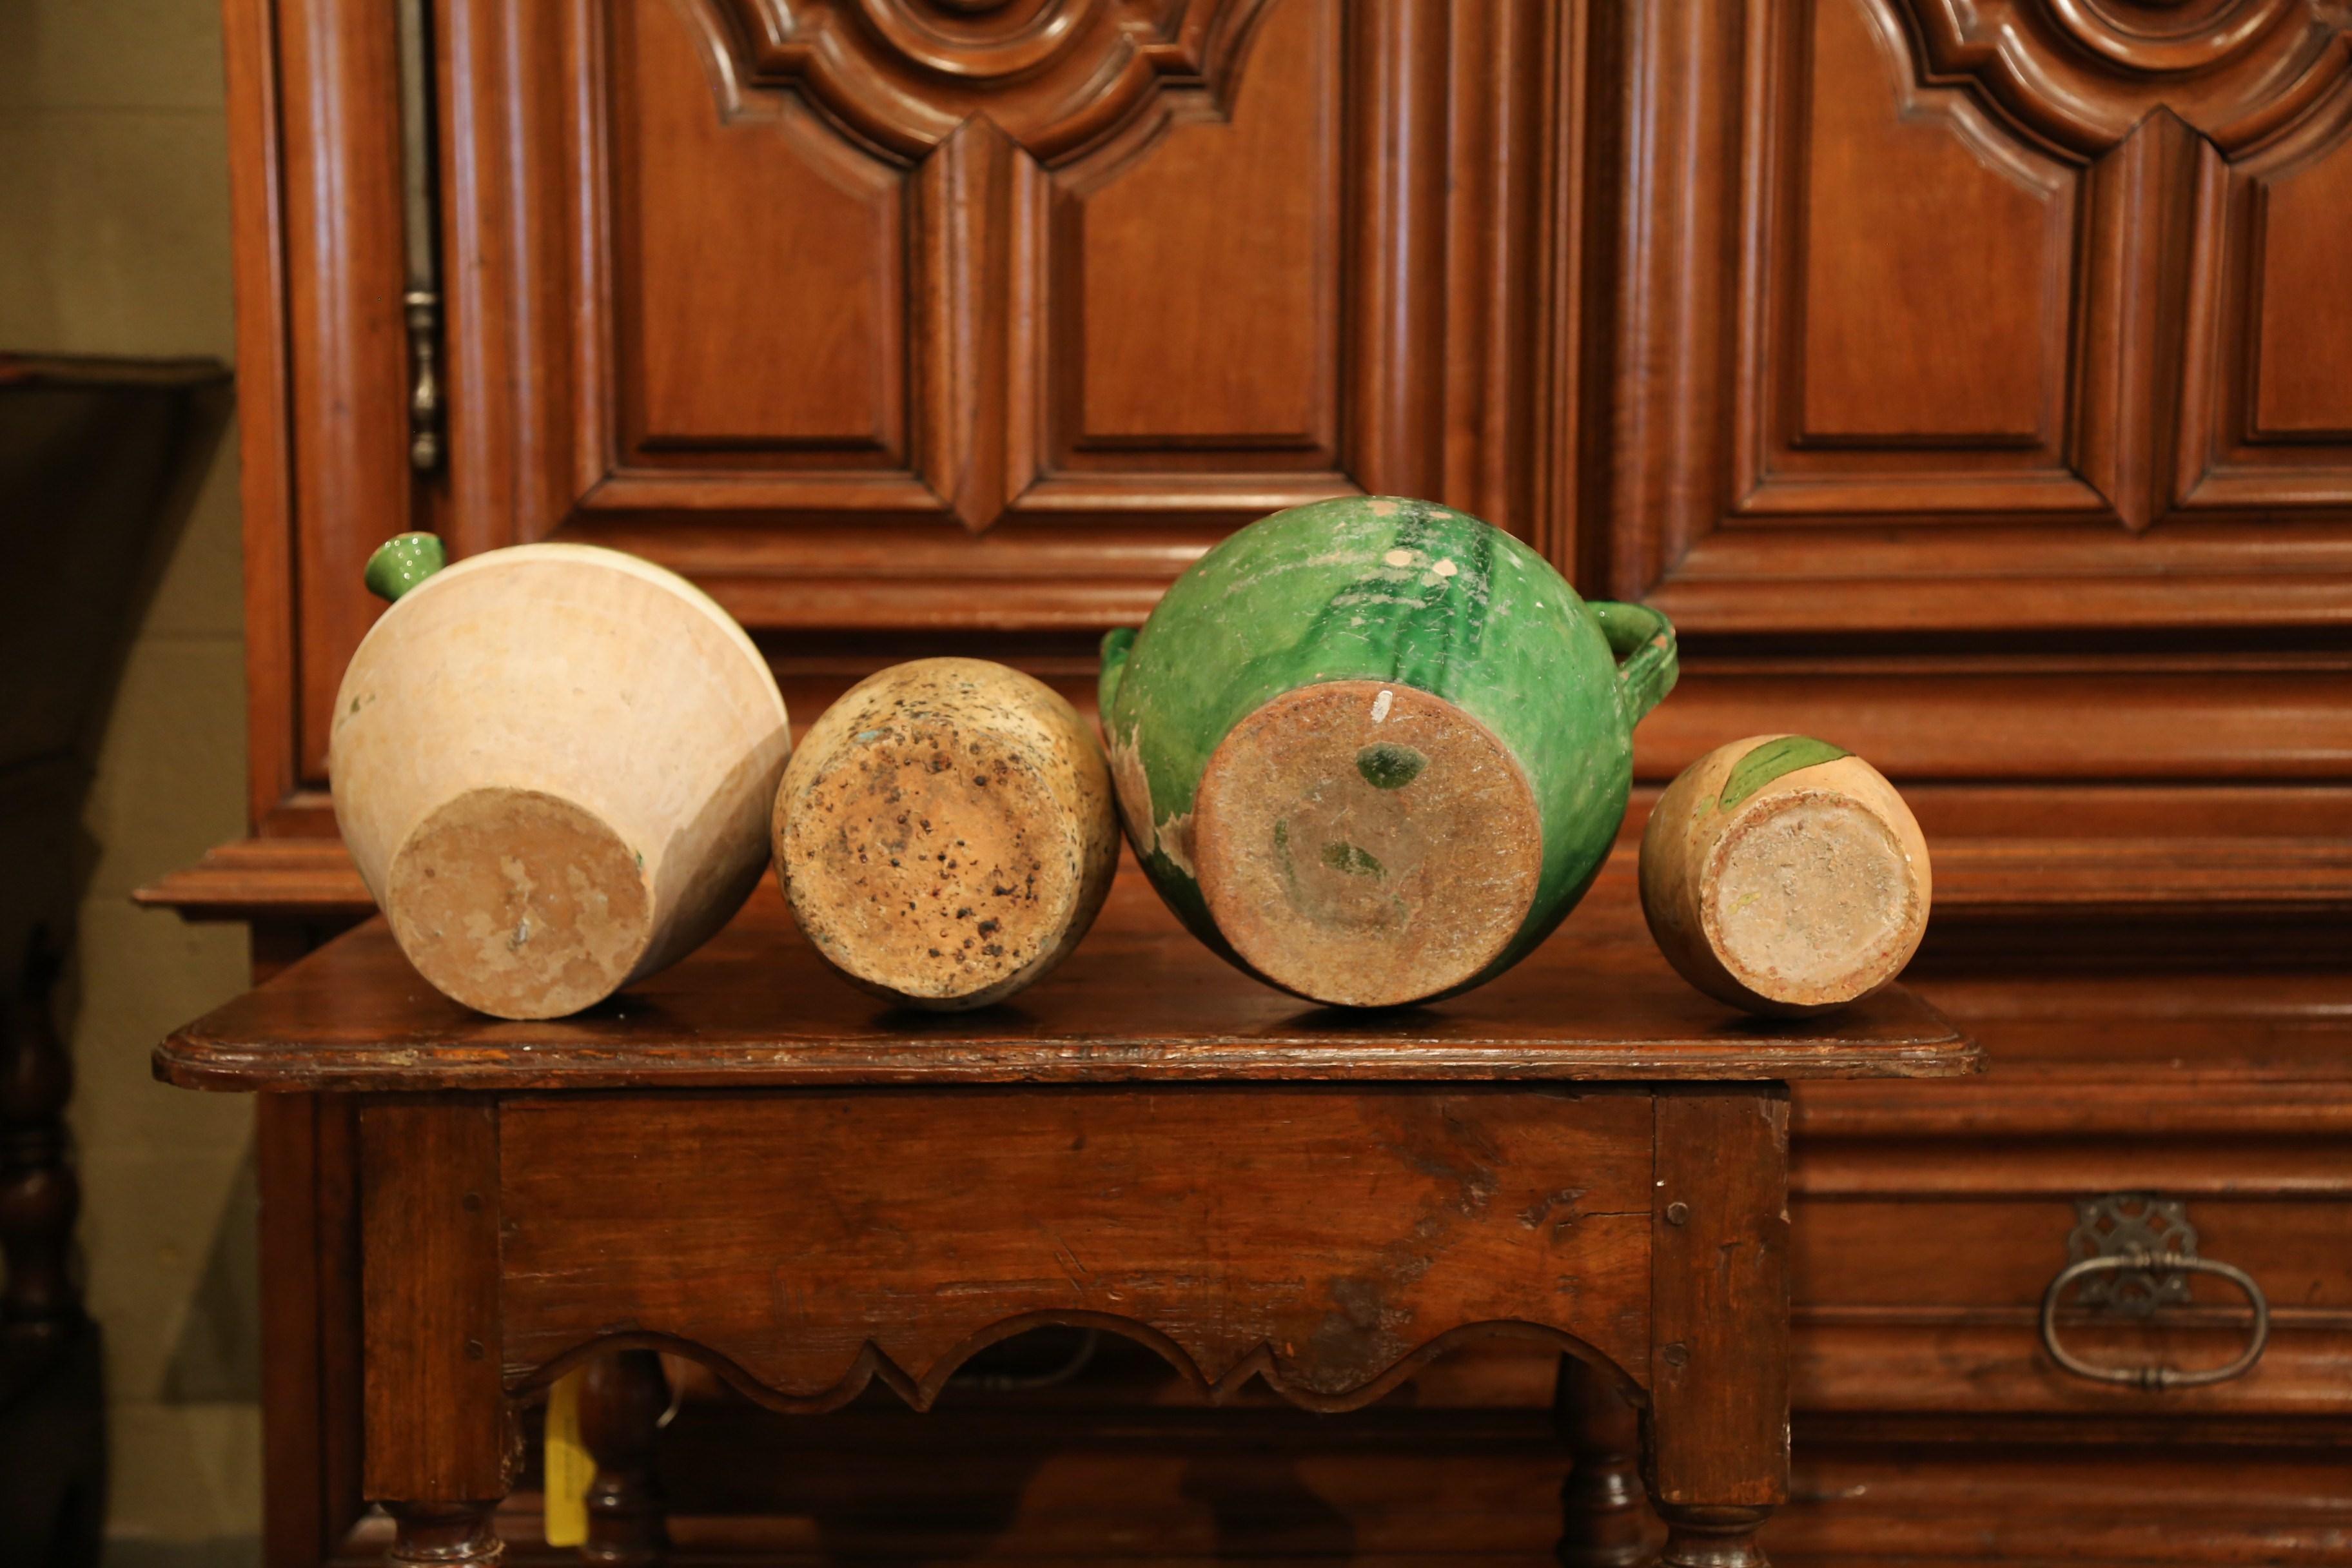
pixel 2155 1377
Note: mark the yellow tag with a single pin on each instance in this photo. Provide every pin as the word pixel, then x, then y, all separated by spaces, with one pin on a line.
pixel 570 1470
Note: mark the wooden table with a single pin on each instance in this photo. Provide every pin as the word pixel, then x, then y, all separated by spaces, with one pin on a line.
pixel 746 1162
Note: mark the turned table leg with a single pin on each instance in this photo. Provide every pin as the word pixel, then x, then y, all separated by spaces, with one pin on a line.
pixel 1712 1537
pixel 621 1403
pixel 1717 1460
pixel 430 1534
pixel 1603 1518
pixel 440 1441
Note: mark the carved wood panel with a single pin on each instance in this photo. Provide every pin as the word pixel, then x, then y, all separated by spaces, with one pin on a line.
pixel 2021 328
pixel 2267 415
pixel 890 315
pixel 1883 214
pixel 758 302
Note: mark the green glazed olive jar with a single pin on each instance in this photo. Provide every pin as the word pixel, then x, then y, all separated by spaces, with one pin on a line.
pixel 1373 750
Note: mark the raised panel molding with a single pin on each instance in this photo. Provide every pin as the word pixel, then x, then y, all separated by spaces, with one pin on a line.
pixel 1238 358
pixel 2143 195
pixel 2263 423
pixel 695 324
pixel 1879 213
pixel 1061 398
pixel 975 189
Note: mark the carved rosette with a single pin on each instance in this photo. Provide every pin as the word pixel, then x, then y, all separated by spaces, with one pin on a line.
pixel 1057 77
pixel 2082 74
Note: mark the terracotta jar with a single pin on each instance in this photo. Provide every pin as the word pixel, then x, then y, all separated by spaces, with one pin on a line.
pixel 1373 750
pixel 1784 874
pixel 553 765
pixel 945 834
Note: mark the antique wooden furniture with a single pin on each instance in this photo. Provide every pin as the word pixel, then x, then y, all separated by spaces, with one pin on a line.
pixel 809 1189
pixel 1964 379
pixel 52 1375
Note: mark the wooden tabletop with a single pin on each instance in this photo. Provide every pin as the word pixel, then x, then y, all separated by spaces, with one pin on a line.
pixel 1140 1000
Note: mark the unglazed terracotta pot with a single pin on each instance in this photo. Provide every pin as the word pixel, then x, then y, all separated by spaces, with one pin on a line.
pixel 945 834
pixel 1784 874
pixel 1373 750
pixel 553 765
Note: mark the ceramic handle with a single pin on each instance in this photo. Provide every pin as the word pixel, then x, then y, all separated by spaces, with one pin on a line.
pixel 1116 645
pixel 1643 642
pixel 402 562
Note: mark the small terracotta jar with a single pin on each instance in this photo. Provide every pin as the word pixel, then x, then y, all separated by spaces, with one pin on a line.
pixel 1785 876
pixel 946 832
pixel 1373 750
pixel 552 764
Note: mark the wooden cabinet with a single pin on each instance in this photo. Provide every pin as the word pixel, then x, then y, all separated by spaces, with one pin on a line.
pixel 1971 380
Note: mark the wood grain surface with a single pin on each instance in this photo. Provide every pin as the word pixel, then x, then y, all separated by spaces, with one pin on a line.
pixel 439 1429
pixel 1718 1298
pixel 1139 1000
pixel 1327 1239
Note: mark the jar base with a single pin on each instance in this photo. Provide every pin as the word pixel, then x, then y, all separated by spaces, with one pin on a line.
pixel 1809 903
pixel 929 861
pixel 520 904
pixel 1365 844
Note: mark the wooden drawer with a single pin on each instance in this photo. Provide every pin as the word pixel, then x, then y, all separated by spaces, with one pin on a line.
pixel 1925 1232
pixel 1904 1304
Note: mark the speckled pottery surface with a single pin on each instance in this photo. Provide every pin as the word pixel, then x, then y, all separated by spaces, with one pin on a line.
pixel 945 832
pixel 552 765
pixel 1373 750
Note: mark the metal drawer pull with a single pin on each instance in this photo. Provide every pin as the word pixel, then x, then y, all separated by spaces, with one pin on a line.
pixel 2111 1240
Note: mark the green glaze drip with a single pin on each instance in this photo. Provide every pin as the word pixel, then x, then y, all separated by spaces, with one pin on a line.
pixel 402 562
pixel 1117 644
pixel 1282 858
pixel 1420 606
pixel 1354 861
pixel 1769 762
pixel 1386 766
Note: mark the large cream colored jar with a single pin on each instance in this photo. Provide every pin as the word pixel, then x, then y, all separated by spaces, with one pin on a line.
pixel 553 764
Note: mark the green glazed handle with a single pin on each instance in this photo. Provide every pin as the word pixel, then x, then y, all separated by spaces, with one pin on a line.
pixel 402 562
pixel 1116 645
pixel 1643 642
